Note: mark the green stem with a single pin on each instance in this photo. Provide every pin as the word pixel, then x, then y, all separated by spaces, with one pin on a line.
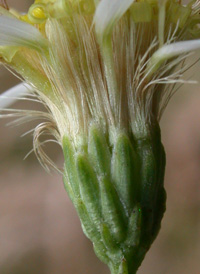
pixel 121 270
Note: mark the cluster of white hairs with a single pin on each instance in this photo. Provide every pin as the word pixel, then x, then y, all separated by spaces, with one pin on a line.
pixel 101 68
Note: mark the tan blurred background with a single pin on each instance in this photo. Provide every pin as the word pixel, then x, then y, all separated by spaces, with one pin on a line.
pixel 39 229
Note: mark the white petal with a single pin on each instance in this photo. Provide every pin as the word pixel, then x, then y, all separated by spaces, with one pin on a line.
pixel 14 32
pixel 172 50
pixel 108 12
pixel 10 96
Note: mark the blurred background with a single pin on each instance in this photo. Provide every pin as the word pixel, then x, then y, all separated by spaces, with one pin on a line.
pixel 39 230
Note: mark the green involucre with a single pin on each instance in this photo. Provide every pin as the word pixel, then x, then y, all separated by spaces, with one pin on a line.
pixel 118 192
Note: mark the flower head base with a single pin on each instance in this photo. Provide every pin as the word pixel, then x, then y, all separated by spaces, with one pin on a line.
pixel 106 70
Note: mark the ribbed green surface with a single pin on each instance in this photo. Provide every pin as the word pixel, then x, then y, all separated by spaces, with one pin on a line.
pixel 118 193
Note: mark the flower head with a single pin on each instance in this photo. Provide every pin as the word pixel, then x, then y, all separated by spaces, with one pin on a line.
pixel 105 70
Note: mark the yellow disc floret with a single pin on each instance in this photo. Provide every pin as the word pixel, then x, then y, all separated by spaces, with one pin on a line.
pixel 37 13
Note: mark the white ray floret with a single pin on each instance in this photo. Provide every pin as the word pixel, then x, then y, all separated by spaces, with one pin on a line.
pixel 169 51
pixel 17 33
pixel 108 13
pixel 10 96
